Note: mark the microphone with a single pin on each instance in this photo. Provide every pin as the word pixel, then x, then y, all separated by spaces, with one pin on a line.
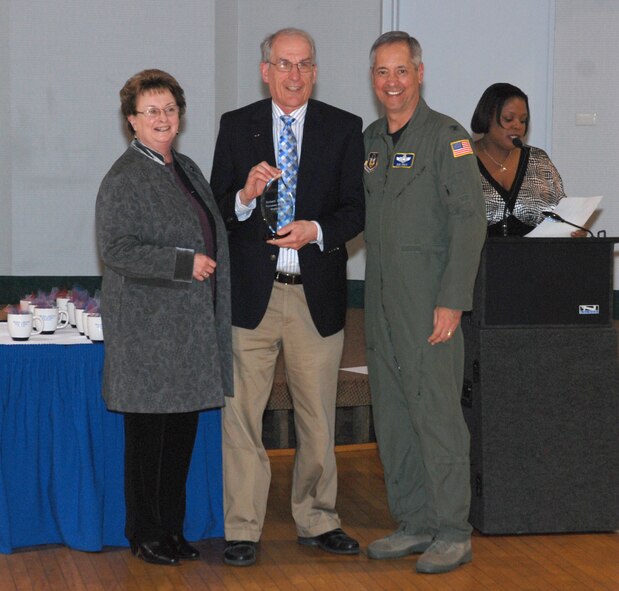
pixel 517 142
pixel 555 216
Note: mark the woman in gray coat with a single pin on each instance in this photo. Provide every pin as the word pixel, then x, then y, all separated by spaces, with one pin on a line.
pixel 166 309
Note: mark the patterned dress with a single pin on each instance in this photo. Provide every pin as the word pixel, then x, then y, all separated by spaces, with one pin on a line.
pixel 537 187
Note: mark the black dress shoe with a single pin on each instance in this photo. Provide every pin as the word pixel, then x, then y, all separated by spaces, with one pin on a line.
pixel 240 553
pixel 155 552
pixel 183 549
pixel 335 541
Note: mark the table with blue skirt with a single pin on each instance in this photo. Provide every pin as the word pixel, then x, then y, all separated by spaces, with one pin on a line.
pixel 62 451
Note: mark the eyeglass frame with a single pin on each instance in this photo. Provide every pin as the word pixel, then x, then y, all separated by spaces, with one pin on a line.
pixel 286 66
pixel 156 111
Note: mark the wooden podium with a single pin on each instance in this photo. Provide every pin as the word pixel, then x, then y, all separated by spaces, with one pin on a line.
pixel 541 387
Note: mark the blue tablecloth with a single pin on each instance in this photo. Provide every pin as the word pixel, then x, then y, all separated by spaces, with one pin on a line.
pixel 61 454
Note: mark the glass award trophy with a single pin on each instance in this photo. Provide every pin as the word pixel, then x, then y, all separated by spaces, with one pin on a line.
pixel 270 206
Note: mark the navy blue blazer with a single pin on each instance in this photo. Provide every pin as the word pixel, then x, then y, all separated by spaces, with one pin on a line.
pixel 329 191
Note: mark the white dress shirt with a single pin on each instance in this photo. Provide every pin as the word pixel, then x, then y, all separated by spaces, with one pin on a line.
pixel 288 259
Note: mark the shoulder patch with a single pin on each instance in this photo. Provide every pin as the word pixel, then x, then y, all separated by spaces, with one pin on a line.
pixel 371 163
pixel 461 148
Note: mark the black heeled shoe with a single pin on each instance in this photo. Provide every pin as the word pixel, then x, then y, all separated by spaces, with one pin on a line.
pixel 155 552
pixel 183 549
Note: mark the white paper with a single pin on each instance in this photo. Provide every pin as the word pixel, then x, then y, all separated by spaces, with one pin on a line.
pixel 572 209
pixel 361 369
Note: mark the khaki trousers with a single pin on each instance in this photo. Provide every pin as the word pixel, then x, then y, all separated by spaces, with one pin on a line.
pixel 312 365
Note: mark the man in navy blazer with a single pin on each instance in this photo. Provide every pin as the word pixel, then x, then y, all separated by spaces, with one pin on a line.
pixel 288 293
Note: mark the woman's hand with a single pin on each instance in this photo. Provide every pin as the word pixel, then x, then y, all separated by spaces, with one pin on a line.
pixel 203 267
pixel 578 234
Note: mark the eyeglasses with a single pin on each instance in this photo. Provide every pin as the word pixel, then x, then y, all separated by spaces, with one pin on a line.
pixel 154 112
pixel 304 67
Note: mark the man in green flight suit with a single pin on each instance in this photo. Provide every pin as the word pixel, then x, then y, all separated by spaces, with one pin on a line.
pixel 425 228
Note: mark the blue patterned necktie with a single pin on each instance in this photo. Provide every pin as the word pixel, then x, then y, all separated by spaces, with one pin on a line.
pixel 288 163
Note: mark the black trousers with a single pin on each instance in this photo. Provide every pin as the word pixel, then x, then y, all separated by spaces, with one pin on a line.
pixel 158 450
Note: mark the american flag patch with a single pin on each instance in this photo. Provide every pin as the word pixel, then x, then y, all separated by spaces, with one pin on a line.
pixel 461 148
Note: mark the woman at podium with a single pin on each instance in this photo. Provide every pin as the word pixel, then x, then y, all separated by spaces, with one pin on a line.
pixel 519 181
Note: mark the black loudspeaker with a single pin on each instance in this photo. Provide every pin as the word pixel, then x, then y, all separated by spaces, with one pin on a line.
pixel 528 282
pixel 542 405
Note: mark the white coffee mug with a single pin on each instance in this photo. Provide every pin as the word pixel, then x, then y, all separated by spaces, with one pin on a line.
pixel 79 319
pixel 53 319
pixel 21 326
pixel 62 303
pixel 71 311
pixel 95 327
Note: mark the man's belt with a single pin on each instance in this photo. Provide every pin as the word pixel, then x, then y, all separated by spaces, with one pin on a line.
pixel 288 278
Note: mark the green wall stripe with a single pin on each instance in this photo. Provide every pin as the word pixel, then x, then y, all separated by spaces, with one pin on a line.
pixel 13 287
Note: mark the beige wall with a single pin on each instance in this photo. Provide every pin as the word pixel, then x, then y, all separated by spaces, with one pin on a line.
pixel 62 64
pixel 6 207
pixel 586 81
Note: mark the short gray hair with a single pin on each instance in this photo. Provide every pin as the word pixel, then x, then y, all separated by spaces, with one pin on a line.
pixel 398 37
pixel 267 44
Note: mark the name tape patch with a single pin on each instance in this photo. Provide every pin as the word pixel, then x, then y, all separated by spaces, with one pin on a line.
pixel 403 160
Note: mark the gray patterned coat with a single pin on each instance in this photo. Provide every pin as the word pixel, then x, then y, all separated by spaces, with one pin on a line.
pixel 166 349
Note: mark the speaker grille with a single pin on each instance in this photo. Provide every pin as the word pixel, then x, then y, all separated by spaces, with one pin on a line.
pixel 544 422
pixel 538 282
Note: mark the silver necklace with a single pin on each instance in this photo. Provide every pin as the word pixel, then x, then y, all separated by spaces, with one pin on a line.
pixel 501 165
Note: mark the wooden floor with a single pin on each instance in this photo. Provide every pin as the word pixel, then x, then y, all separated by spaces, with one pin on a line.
pixel 549 562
